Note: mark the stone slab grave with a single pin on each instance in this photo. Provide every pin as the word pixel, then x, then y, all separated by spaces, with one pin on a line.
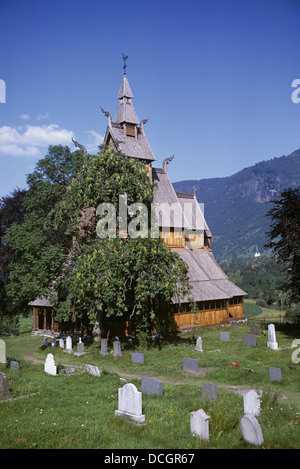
pixel 275 373
pixel 224 336
pixel 249 339
pixel 92 370
pixel 209 392
pixel 49 366
pixel 255 329
pixel 152 386
pixel 190 365
pixel 117 348
pixel 272 344
pixel 200 424
pixel 137 357
pixel 3 360
pixel 199 345
pixel 252 403
pixel 69 348
pixel 103 347
pixel 14 366
pixel 251 430
pixel 4 388
pixel 68 371
pixel 234 328
pixel 130 404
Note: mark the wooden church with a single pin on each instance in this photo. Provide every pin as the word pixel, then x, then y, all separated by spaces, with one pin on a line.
pixel 185 232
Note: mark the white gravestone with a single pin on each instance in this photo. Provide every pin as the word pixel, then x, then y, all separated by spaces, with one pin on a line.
pixel 92 370
pixel 3 360
pixel 200 424
pixel 61 343
pixel 68 348
pixel 130 404
pixel 272 344
pixel 49 366
pixel 251 430
pixel 199 345
pixel 252 403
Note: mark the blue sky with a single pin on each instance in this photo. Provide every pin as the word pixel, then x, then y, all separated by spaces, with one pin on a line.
pixel 213 77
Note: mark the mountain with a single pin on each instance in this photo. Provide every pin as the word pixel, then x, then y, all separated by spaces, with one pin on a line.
pixel 235 206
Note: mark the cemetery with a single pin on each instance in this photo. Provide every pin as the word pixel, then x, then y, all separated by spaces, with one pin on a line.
pixel 224 390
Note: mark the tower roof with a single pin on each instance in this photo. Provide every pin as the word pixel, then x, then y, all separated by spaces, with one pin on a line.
pixel 126 112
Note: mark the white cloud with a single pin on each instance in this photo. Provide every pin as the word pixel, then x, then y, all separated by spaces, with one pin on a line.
pixel 32 141
pixel 42 116
pixel 24 117
pixel 94 140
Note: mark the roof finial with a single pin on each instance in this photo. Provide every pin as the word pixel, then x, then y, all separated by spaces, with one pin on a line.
pixel 125 57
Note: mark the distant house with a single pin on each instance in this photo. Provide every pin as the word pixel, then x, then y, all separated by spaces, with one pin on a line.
pixel 186 232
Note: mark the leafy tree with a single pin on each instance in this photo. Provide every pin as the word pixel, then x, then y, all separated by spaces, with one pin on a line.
pixel 284 238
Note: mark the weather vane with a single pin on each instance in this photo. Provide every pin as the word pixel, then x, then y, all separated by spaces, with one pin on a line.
pixel 125 57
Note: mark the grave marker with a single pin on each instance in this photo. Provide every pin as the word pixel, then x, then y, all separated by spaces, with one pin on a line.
pixel 224 336
pixel 117 348
pixel 49 366
pixel 152 386
pixel 200 424
pixel 252 403
pixel 130 404
pixel 14 366
pixel 68 348
pixel 209 391
pixel 93 370
pixel 199 345
pixel 275 373
pixel 103 350
pixel 251 430
pixel 137 357
pixel 272 344
pixel 190 364
pixel 249 339
pixel 255 329
pixel 4 389
pixel 3 360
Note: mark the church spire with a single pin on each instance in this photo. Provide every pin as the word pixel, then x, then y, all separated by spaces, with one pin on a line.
pixel 126 112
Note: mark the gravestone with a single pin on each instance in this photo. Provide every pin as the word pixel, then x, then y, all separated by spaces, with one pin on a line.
pixel 49 366
pixel 190 364
pixel 92 370
pixel 275 373
pixel 4 389
pixel 14 366
pixel 68 348
pixel 117 348
pixel 68 371
pixel 234 328
pixel 53 342
pixel 152 386
pixel 200 424
pixel 103 349
pixel 3 360
pixel 130 404
pixel 137 357
pixel 61 343
pixel 251 430
pixel 80 349
pixel 46 341
pixel 224 336
pixel 199 345
pixel 209 391
pixel 249 339
pixel 255 329
pixel 272 344
pixel 252 403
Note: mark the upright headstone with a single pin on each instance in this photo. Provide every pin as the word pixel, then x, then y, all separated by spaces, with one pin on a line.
pixel 249 339
pixel 46 341
pixel 272 344
pixel 49 366
pixel 252 403
pixel 152 386
pixel 251 430
pixel 255 329
pixel 275 373
pixel 53 342
pixel 200 424
pixel 103 349
pixel 4 388
pixel 68 348
pixel 130 404
pixel 117 348
pixel 199 345
pixel 234 327
pixel 224 336
pixel 14 366
pixel 137 357
pixel 209 391
pixel 61 343
pixel 190 364
pixel 80 349
pixel 3 360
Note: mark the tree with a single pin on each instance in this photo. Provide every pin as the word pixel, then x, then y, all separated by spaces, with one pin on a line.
pixel 284 238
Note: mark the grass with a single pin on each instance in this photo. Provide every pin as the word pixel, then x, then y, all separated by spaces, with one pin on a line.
pixel 77 411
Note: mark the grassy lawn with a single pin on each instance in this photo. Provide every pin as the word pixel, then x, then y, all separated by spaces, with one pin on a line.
pixel 77 411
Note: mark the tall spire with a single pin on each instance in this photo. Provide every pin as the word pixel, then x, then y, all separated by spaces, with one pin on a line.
pixel 126 112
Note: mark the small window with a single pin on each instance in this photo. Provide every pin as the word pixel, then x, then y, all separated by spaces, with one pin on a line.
pixel 130 130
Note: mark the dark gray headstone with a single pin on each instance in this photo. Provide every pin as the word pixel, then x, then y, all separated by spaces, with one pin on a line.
pixel 234 327
pixel 190 364
pixel 103 350
pixel 117 348
pixel 45 342
pixel 255 329
pixel 152 385
pixel 4 389
pixel 209 391
pixel 14 366
pixel 224 336
pixel 249 339
pixel 53 342
pixel 275 373
pixel 137 357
